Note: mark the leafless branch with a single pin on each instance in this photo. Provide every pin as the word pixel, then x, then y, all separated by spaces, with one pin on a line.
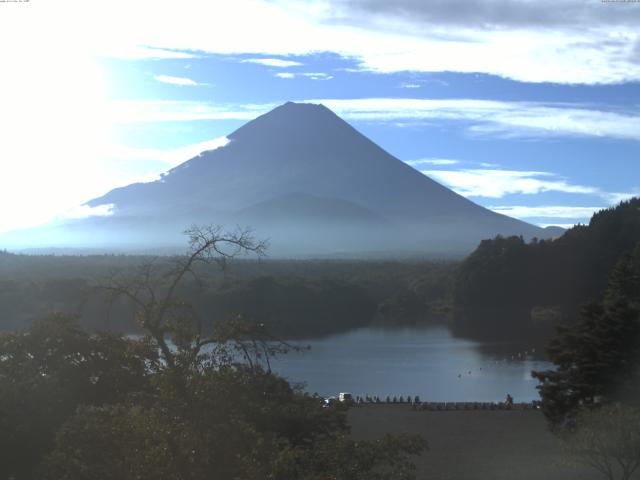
pixel 152 290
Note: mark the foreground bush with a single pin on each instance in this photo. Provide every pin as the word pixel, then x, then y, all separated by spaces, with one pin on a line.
pixel 180 403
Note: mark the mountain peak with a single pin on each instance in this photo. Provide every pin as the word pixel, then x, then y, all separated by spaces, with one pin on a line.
pixel 302 111
pixel 306 107
pixel 293 119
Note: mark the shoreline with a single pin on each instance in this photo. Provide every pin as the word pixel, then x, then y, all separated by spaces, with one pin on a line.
pixel 445 406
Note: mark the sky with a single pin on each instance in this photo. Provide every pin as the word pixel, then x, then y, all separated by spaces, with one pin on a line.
pixel 529 108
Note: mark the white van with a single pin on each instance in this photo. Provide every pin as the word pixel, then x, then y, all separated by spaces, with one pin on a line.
pixel 345 397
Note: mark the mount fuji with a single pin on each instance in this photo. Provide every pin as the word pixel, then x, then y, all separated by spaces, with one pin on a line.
pixel 307 180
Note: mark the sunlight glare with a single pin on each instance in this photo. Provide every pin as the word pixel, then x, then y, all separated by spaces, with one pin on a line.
pixel 54 122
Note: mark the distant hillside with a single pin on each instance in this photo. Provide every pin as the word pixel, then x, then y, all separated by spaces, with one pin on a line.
pixel 302 209
pixel 508 287
pixel 301 176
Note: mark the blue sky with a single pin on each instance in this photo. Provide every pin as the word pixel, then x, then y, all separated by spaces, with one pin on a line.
pixel 527 108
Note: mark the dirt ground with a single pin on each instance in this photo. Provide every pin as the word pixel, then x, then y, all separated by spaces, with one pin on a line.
pixel 473 445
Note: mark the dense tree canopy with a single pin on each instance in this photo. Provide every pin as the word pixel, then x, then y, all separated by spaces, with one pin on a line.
pixel 49 370
pixel 340 294
pixel 509 288
pixel 296 307
pixel 597 360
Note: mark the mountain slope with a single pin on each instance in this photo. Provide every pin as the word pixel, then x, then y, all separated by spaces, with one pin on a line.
pixel 307 150
pixel 303 209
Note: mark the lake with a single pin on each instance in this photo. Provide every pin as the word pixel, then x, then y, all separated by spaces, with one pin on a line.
pixel 429 362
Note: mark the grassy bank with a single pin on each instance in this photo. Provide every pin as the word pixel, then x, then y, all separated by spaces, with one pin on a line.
pixel 473 444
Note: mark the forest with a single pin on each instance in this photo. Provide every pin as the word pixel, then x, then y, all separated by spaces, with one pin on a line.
pixel 295 298
pixel 508 288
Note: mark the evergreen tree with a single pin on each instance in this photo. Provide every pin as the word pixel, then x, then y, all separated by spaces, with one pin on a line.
pixel 597 360
pixel 499 286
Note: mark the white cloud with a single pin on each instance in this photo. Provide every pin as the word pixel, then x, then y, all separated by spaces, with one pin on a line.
pixel 273 62
pixel 491 117
pixel 409 85
pixel 491 183
pixel 128 52
pixel 432 161
pixel 285 75
pixel 181 81
pixel 617 197
pixel 548 211
pixel 548 41
pixel 85 211
pixel 497 183
pixel 544 215
pixel 596 48
pixel 310 75
pixel 566 226
pixel 168 157
pixel 317 75
pixel 132 111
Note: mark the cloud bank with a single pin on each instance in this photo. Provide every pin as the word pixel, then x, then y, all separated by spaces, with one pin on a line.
pixel 478 117
pixel 498 183
pixel 502 118
pixel 546 211
pixel 542 14
pixel 493 183
pixel 85 211
pixel 560 41
pixel 168 157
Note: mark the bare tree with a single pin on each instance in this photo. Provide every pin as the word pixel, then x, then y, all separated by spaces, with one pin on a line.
pixel 153 292
pixel 606 439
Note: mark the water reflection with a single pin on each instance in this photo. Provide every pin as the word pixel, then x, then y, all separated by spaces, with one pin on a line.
pixel 429 362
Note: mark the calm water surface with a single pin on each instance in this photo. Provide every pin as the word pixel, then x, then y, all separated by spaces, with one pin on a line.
pixel 429 362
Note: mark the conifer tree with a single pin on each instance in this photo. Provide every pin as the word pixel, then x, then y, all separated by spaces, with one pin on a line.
pixel 597 360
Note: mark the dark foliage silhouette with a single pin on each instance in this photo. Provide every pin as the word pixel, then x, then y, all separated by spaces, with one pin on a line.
pixel 182 402
pixel 510 288
pixel 597 360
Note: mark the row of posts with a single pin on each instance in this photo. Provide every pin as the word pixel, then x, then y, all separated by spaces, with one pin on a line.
pixel 417 404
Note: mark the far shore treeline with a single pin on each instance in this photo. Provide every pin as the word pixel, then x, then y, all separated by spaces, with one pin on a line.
pixel 507 289
pixel 294 298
